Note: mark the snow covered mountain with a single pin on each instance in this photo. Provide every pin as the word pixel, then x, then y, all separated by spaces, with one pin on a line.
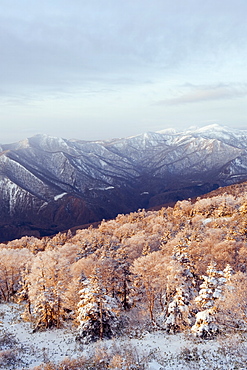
pixel 49 184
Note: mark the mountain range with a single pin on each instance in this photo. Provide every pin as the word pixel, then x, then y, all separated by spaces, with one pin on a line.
pixel 50 184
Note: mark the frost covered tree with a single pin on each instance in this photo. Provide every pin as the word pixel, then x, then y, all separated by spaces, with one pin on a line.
pixel 48 281
pixel 232 308
pixel 23 292
pixel 210 291
pixel 123 278
pixel 178 314
pixel 181 289
pixel 150 273
pixel 12 265
pixel 98 313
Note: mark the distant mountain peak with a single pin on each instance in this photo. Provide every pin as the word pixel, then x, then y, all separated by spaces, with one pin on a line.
pixel 50 184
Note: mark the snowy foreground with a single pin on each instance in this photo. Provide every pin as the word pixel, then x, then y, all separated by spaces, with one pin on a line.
pixel 22 349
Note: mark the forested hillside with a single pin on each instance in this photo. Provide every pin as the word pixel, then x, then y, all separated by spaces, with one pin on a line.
pixel 45 180
pixel 174 270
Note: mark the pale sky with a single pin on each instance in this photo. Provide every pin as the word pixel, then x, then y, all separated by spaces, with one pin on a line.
pixel 98 69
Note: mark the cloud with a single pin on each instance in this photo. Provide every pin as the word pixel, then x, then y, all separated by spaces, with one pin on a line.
pixel 53 43
pixel 208 93
pixel 95 62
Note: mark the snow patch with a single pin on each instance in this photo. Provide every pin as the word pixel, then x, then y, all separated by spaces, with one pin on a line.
pixel 13 193
pixel 59 196
pixel 108 188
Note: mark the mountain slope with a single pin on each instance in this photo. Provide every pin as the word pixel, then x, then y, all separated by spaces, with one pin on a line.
pixel 50 184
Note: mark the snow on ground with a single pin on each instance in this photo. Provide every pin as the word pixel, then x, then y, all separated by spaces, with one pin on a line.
pixel 38 347
pixel 158 350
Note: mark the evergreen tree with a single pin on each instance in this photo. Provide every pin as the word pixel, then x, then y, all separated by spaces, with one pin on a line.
pixel 98 313
pixel 211 290
pixel 178 313
pixel 123 278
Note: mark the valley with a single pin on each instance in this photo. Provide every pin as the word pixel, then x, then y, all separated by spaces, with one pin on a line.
pixel 50 184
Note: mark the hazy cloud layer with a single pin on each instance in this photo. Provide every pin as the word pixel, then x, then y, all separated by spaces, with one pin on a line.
pixel 104 64
pixel 209 93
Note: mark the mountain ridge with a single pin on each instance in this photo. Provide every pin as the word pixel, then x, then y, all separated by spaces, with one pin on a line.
pixel 49 184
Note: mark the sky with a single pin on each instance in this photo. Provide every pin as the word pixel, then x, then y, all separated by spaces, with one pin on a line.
pixel 100 69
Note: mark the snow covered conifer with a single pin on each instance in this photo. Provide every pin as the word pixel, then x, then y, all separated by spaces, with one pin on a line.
pixel 205 325
pixel 123 278
pixel 228 272
pixel 211 290
pixel 97 312
pixel 178 313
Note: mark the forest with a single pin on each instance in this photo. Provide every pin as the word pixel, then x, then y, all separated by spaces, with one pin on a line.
pixel 176 269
